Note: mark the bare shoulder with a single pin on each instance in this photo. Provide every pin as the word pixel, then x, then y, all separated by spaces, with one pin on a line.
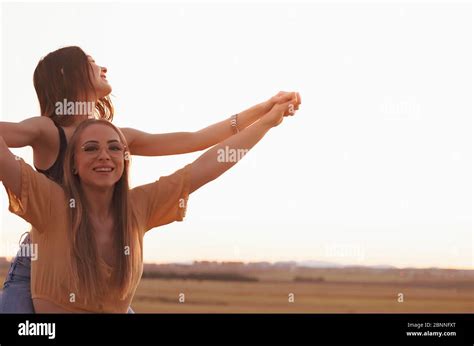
pixel 44 123
pixel 36 127
pixel 39 121
pixel 47 129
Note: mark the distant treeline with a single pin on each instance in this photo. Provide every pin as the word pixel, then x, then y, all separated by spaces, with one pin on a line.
pixel 306 279
pixel 199 276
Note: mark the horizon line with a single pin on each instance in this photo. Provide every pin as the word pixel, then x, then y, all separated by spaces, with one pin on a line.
pixel 331 265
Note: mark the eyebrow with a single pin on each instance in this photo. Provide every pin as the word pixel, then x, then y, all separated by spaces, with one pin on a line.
pixel 97 142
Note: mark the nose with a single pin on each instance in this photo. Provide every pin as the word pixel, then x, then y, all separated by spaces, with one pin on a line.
pixel 104 69
pixel 103 154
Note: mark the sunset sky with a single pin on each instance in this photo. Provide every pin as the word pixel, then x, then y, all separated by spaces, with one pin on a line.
pixel 375 168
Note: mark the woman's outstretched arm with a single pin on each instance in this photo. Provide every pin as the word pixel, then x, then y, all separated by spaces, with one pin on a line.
pixel 146 144
pixel 208 166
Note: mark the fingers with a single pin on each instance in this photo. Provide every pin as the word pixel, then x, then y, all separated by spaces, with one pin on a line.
pixel 289 108
pixel 285 96
pixel 288 102
pixel 295 104
pixel 297 99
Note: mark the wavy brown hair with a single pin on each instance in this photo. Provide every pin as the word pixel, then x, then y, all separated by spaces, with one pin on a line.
pixel 66 74
pixel 89 281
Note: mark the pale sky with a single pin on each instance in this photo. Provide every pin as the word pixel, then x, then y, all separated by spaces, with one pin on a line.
pixel 375 168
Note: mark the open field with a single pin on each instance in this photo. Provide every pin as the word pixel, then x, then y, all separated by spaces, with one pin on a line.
pixel 220 297
pixel 315 291
pixel 238 288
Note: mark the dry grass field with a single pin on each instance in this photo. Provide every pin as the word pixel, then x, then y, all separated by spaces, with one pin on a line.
pixel 239 288
pixel 267 297
pixel 314 290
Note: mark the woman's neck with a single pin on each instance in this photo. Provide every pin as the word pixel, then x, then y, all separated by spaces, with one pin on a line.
pixel 99 202
pixel 77 119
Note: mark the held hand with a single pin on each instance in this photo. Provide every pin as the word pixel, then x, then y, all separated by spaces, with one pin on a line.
pixel 282 97
pixel 276 114
pixel 295 100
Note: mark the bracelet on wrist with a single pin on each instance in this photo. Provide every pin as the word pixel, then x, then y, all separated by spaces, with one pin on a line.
pixel 233 124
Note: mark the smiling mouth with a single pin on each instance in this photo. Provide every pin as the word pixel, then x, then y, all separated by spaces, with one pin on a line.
pixel 103 169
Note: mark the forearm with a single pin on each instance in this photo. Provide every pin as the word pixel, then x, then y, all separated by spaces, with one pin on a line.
pixel 217 160
pixel 146 144
pixel 218 132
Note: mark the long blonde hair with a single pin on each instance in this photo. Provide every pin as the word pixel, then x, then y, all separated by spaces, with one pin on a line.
pixel 89 282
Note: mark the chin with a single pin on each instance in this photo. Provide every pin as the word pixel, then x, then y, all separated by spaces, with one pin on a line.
pixel 102 184
pixel 104 91
pixel 105 185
